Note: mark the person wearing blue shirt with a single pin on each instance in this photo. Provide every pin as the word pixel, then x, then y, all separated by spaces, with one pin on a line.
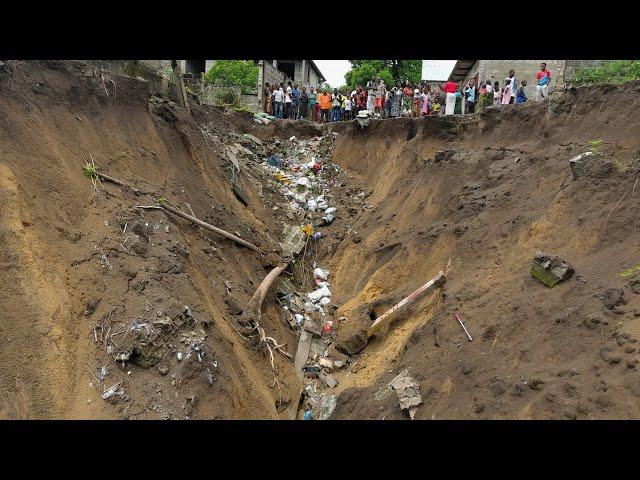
pixel 295 101
pixel 521 97
pixel 470 93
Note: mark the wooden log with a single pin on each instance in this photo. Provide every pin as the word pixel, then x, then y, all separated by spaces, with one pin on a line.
pixel 386 318
pixel 217 230
pixel 177 212
pixel 255 304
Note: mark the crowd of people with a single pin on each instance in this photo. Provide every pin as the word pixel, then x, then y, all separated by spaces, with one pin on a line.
pixel 402 100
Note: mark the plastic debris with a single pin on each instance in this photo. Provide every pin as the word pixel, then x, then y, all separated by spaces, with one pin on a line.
pixel 318 294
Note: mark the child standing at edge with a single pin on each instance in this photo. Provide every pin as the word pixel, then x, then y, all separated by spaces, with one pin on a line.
pixel 506 92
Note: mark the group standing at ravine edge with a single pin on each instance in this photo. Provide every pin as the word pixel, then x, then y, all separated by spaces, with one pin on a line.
pixel 324 105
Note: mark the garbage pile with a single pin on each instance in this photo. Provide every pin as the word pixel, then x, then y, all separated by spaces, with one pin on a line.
pixel 304 175
pixel 263 118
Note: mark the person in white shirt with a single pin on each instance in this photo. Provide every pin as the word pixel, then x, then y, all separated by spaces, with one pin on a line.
pixel 347 109
pixel 287 101
pixel 513 81
pixel 278 95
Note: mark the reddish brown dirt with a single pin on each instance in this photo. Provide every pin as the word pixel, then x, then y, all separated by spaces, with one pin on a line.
pixel 67 264
pixel 55 227
pixel 506 192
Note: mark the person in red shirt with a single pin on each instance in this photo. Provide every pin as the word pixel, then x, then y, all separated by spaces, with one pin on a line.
pixel 450 89
pixel 544 79
pixel 363 99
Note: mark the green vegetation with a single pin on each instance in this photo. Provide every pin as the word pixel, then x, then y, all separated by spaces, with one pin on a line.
pixel 630 271
pixel 594 146
pixel 227 73
pixel 391 71
pixel 227 96
pixel 615 71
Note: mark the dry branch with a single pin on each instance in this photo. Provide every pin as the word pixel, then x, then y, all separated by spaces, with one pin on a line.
pixel 177 212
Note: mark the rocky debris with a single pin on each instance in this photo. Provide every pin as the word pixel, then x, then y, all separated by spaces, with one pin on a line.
pixel 408 390
pixel 612 298
pixel 590 164
pixel 293 241
pixel 550 269
pixel 353 344
pixel 634 285
pixel 329 380
pixel 594 322
pixel 608 355
pixel 321 404
pixel 497 388
pixel 443 155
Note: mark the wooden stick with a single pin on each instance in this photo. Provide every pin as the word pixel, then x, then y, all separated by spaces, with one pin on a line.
pixel 427 287
pixel 217 230
pixel 465 328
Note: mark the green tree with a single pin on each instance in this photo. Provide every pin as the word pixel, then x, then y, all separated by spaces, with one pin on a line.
pixel 391 71
pixel 241 73
pixel 326 86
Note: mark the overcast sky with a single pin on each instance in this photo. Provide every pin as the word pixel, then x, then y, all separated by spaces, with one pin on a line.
pixel 334 70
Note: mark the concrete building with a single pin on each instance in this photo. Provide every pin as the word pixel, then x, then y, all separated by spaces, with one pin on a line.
pixel 497 70
pixel 303 72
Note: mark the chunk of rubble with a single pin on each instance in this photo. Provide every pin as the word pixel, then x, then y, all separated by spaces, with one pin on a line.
pixel 590 164
pixel 293 240
pixel 550 269
pixel 329 380
pixel 408 390
pixel 353 344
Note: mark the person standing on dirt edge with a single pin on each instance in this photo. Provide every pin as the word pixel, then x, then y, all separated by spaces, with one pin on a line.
pixel 514 85
pixel 450 89
pixel 287 100
pixel 277 102
pixel 544 78
pixel 470 93
pixel 295 101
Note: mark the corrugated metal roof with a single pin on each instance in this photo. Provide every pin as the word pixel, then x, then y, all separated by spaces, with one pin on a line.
pixel 461 70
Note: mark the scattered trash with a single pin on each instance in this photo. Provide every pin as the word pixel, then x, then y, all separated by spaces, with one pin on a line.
pixel 465 328
pixel 308 415
pixel 311 371
pixel 327 328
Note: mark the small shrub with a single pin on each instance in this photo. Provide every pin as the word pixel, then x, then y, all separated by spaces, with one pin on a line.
pixel 594 146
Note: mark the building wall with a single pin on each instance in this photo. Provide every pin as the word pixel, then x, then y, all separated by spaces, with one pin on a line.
pixel 525 70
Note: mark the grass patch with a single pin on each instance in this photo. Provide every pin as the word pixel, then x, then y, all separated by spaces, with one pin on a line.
pixel 614 71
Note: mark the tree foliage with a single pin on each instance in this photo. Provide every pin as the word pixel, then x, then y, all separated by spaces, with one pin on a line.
pixel 614 71
pixel 391 71
pixel 241 73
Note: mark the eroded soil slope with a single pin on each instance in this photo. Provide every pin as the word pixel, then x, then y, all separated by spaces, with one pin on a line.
pixel 477 197
pixel 85 276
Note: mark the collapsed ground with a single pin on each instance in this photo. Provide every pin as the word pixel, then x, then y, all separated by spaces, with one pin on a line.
pixel 87 277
